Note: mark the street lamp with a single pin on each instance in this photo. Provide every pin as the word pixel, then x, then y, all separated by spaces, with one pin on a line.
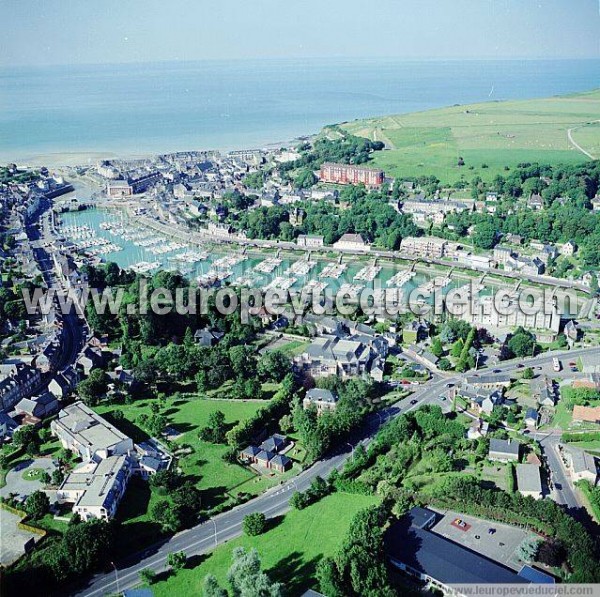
pixel 116 576
pixel 215 524
pixel 351 448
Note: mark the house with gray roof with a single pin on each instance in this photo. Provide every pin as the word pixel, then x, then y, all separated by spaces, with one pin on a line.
pixel 531 417
pixel 529 481
pixel 96 488
pixel 349 350
pixel 322 400
pixel 504 450
pixel 582 465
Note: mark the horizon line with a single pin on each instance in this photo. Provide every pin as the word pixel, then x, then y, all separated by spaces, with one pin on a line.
pixel 248 59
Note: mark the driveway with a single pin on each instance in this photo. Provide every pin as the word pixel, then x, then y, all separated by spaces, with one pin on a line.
pixel 24 479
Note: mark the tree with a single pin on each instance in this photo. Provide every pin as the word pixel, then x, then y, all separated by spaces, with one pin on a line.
pixel 444 364
pixel 484 235
pixel 211 588
pixel 528 373
pixel 528 549
pixel 246 577
pixel 57 477
pixel 177 560
pixel 361 563
pixel 437 348
pixel 166 515
pixel 457 348
pixel 148 576
pixel 329 578
pixel 274 365
pixel 551 553
pixel 254 524
pixel 522 343
pixel 215 430
pixel 90 390
pixel 87 545
pixel 37 504
pixel 26 435
pixel 243 361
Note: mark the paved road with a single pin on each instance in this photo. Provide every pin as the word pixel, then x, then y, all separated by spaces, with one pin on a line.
pixel 228 525
pixel 74 328
pixel 563 492
pixel 18 484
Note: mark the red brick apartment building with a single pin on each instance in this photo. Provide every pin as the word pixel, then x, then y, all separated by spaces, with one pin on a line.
pixel 345 174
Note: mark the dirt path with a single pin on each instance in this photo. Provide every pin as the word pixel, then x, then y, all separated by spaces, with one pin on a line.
pixel 575 144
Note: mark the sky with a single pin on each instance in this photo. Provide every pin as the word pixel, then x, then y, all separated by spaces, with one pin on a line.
pixel 45 32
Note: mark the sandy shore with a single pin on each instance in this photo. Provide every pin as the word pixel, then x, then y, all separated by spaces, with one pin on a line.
pixel 69 159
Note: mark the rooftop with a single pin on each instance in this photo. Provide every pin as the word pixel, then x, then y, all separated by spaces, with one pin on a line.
pixel 505 446
pixel 441 559
pixel 528 478
pixel 87 427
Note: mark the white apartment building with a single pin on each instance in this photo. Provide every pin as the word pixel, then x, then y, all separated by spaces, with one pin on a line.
pixel 81 430
pixel 96 488
pixel 426 246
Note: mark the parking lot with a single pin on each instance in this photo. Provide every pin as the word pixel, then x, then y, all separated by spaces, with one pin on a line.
pixel 12 545
pixel 501 546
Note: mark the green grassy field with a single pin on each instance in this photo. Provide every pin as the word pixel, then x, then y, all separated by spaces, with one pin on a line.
pixel 289 551
pixel 488 136
pixel 204 465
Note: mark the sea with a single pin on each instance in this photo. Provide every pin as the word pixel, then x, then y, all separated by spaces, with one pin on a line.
pixel 140 109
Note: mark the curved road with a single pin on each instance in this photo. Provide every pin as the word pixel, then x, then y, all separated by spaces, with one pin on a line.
pixel 275 502
pixel 575 144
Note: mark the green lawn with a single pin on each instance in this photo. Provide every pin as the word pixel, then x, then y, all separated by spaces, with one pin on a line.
pixel 289 551
pixel 593 446
pixel 204 466
pixel 562 416
pixel 33 474
pixel 488 136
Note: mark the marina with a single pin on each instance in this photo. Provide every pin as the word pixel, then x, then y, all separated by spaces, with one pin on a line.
pixel 316 286
pixel 333 270
pixel 300 268
pixel 268 266
pixel 146 251
pixel 401 278
pixel 368 273
pixel 281 283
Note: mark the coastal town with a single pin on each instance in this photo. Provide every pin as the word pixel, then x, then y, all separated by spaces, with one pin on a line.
pixel 104 416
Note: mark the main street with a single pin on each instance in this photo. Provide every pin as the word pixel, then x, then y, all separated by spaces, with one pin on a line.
pixel 275 502
pixel 73 325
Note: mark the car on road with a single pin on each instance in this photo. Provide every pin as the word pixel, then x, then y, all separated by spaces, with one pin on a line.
pixel 491 531
pixel 497 370
pixel 442 398
pixel 413 402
